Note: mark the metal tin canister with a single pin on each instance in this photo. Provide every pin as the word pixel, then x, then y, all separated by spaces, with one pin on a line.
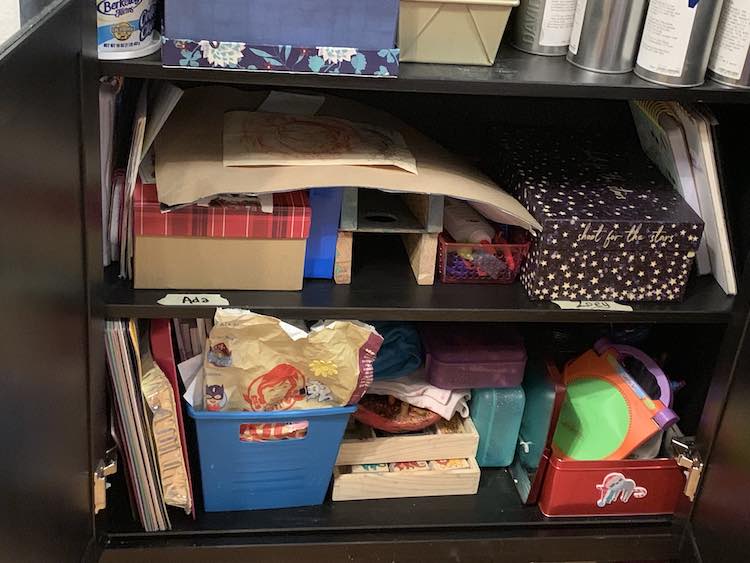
pixel 730 57
pixel 606 34
pixel 543 27
pixel 126 29
pixel 677 40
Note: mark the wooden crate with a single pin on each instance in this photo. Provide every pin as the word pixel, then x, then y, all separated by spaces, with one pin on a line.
pixel 408 447
pixel 402 484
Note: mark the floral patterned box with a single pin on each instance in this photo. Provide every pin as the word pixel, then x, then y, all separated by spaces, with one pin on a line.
pixel 225 55
pixel 367 24
pixel 613 228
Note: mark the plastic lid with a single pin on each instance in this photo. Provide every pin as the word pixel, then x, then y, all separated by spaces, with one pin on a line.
pixel 472 344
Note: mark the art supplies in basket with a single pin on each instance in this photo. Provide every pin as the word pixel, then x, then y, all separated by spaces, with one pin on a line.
pixel 259 363
pixel 472 250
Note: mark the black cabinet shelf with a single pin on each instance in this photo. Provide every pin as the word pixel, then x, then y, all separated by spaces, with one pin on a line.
pixel 494 515
pixel 514 74
pixel 383 288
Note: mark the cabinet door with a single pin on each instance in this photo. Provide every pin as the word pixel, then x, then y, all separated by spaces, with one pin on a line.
pixel 721 518
pixel 45 490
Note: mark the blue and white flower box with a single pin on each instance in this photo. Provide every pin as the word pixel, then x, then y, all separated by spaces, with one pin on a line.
pixel 292 36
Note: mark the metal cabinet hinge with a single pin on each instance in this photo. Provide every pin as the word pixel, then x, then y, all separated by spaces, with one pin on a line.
pixel 689 458
pixel 105 468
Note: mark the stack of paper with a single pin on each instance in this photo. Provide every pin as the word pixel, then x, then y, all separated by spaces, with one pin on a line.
pixel 158 471
pixel 680 140
pixel 155 104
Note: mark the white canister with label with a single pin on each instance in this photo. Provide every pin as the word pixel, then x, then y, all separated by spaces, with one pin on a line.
pixel 677 40
pixel 543 27
pixel 730 58
pixel 126 29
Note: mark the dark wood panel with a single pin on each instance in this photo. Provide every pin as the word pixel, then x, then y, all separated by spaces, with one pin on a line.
pixel 514 74
pixel 721 517
pixel 44 471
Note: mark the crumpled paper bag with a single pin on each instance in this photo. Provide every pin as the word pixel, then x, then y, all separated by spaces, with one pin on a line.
pixel 258 363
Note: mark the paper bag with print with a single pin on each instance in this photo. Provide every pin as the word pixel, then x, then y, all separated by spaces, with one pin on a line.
pixel 259 363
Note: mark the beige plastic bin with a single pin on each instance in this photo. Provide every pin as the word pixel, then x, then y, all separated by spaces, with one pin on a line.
pixel 452 31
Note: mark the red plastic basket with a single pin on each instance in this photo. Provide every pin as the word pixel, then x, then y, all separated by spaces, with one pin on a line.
pixel 460 262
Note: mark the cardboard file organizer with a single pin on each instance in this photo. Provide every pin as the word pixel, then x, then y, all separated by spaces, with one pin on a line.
pixel 436 462
pixel 418 218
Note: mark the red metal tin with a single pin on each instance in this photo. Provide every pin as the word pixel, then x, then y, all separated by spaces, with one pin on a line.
pixel 611 488
pixel 602 488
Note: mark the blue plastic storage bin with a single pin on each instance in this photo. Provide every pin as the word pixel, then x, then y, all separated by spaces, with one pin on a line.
pixel 241 475
pixel 324 230
pixel 497 415
pixel 364 24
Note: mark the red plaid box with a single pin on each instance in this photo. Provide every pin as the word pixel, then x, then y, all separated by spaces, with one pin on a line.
pixel 290 218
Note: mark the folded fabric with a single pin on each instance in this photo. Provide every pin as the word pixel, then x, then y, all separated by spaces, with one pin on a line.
pixel 415 390
pixel 401 352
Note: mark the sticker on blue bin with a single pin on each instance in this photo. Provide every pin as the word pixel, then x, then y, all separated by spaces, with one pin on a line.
pixel 273 431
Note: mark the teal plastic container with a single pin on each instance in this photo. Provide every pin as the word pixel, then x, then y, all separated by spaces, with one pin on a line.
pixel 497 414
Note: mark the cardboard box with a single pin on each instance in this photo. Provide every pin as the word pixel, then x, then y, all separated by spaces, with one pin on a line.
pixel 206 263
pixel 221 246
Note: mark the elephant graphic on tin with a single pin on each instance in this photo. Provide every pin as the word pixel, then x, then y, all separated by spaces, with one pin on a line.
pixel 617 486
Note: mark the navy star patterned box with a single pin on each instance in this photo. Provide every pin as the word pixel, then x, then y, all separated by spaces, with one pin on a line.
pixel 613 227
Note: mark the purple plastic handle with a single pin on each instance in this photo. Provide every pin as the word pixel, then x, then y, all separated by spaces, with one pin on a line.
pixel 666 417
